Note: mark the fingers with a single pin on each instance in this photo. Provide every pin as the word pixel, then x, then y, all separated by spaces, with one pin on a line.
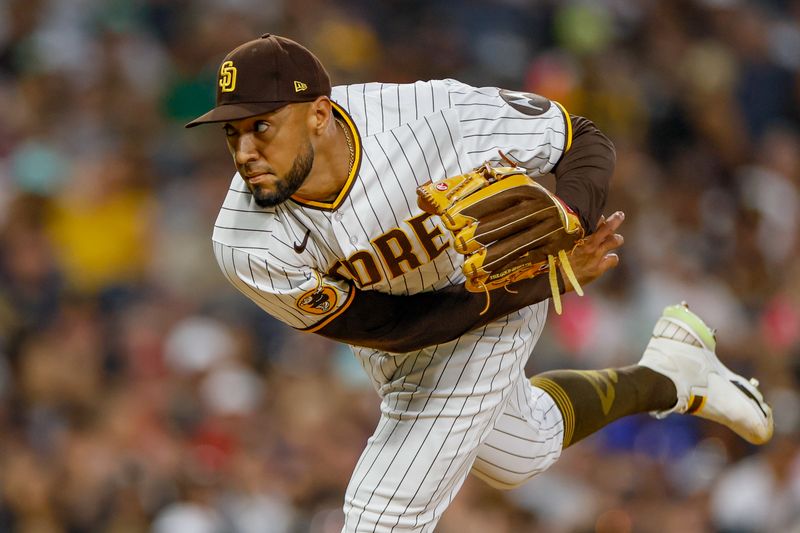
pixel 605 238
pixel 609 225
pixel 611 243
pixel 609 261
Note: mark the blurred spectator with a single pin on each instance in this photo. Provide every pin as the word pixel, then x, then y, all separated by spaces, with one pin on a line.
pixel 760 493
pixel 139 392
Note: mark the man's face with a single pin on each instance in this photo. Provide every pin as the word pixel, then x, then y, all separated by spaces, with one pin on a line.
pixel 272 152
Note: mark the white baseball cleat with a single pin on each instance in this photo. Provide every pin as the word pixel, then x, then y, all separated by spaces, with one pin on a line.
pixel 682 348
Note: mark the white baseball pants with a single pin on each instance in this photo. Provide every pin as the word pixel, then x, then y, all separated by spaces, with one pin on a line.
pixel 448 410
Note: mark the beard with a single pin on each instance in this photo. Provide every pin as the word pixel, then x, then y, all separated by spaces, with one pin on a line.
pixel 291 182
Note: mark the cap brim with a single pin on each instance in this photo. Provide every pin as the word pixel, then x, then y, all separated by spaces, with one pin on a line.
pixel 228 112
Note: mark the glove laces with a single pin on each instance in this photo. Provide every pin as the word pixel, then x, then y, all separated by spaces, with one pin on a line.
pixel 553 263
pixel 563 262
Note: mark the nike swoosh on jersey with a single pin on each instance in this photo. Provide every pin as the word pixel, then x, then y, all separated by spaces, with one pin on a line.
pixel 299 248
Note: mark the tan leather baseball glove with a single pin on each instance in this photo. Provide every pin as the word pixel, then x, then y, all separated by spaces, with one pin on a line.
pixel 507 225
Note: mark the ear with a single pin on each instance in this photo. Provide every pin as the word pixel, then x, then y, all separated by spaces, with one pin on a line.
pixel 320 113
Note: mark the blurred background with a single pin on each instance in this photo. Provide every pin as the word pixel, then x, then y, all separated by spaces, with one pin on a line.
pixel 140 392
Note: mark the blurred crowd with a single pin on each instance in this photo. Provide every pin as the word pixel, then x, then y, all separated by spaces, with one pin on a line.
pixel 139 392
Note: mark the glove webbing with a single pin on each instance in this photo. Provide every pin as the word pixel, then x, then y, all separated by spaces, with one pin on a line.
pixel 566 268
pixel 552 262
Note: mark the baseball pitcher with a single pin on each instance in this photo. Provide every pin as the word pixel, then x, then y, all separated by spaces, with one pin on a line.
pixel 406 220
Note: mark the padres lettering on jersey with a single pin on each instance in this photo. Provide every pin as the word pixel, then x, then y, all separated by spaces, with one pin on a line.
pixel 300 260
pixel 395 253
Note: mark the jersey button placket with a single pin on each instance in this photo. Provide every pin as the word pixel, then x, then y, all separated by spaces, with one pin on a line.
pixel 342 229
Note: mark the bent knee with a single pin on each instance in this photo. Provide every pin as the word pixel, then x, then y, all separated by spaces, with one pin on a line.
pixel 505 472
pixel 500 481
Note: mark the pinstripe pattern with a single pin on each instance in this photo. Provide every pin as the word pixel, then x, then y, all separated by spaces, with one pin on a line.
pixel 447 409
pixel 434 415
pixel 526 439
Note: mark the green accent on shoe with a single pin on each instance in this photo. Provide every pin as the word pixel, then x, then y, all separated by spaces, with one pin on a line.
pixel 682 313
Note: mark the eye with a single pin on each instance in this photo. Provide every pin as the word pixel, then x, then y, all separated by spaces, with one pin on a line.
pixel 261 126
pixel 229 130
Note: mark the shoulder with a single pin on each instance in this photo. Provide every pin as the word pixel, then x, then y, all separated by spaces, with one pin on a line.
pixel 346 95
pixel 377 107
pixel 512 103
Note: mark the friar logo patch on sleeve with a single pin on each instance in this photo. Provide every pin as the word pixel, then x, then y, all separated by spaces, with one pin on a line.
pixel 526 103
pixel 317 301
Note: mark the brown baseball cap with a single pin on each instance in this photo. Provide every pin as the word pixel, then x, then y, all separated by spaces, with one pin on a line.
pixel 264 74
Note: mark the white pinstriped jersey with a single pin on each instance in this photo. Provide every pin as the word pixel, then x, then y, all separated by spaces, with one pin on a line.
pixel 297 260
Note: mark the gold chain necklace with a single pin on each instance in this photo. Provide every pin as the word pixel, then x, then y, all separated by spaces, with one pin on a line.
pixel 352 159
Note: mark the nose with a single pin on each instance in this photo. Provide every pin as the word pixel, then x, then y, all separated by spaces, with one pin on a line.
pixel 245 151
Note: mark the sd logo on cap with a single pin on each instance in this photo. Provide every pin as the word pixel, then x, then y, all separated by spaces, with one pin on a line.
pixel 263 75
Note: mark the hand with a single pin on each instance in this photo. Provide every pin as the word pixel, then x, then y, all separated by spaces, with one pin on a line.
pixel 596 255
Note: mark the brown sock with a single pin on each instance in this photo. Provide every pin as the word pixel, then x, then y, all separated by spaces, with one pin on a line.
pixel 591 399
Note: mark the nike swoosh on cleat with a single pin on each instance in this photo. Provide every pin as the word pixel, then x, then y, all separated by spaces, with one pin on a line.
pixel 299 248
pixel 749 395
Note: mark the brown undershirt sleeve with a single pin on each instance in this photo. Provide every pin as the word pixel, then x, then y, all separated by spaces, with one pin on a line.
pixel 401 324
pixel 584 172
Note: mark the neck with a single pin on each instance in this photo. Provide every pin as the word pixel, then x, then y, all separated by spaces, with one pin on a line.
pixel 332 163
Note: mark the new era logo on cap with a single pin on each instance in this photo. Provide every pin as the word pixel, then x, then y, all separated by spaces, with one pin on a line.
pixel 263 75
